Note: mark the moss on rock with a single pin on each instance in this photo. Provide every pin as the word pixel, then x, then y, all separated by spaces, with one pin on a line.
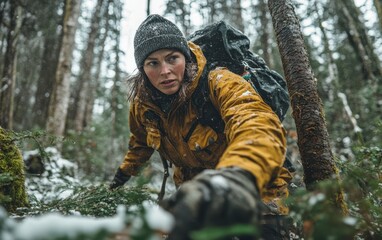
pixel 12 178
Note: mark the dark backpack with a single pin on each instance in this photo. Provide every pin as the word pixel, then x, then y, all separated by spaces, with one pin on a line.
pixel 225 46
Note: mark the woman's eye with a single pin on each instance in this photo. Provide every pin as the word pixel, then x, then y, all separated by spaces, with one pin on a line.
pixel 152 63
pixel 172 58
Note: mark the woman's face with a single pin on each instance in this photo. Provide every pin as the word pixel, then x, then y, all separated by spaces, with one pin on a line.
pixel 165 70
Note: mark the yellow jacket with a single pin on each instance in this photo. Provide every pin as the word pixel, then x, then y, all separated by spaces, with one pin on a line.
pixel 253 139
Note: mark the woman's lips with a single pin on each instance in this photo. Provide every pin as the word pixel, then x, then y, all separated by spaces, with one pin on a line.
pixel 167 82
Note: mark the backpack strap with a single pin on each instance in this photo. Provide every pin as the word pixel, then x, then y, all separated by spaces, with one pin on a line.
pixel 207 114
pixel 151 116
pixel 166 174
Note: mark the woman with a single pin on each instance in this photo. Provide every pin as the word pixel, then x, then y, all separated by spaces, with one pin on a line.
pixel 245 161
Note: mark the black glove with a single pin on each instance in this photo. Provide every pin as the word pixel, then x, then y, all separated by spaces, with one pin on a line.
pixel 214 198
pixel 119 179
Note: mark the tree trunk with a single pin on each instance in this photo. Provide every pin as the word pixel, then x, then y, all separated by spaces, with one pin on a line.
pixel 264 34
pixel 181 12
pixel 349 20
pixel 3 5
pixel 118 101
pixel 95 84
pixel 115 91
pixel 237 17
pixel 378 7
pixel 332 80
pixel 46 80
pixel 313 138
pixel 184 17
pixel 49 25
pixel 22 112
pixel 148 7
pixel 8 80
pixel 85 78
pixel 213 12
pixel 58 105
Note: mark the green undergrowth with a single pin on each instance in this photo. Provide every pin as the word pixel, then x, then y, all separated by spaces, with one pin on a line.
pixel 96 201
pixel 361 182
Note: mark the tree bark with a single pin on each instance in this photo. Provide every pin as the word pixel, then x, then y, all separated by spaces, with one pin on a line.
pixel 85 79
pixel 46 80
pixel 313 138
pixel 58 105
pixel 8 80
pixel 49 25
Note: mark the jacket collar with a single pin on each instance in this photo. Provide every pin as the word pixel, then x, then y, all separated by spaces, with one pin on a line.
pixel 201 63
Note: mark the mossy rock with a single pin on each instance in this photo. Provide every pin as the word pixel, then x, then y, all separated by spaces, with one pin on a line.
pixel 12 178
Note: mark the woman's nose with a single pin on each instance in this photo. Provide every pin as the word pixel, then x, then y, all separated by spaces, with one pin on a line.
pixel 165 69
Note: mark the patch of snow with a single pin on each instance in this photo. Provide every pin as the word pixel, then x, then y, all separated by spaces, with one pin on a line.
pixel 55 225
pixel 350 221
pixel 316 198
pixel 246 93
pixel 58 179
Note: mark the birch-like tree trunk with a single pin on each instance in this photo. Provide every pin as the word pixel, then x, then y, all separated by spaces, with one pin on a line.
pixel 85 78
pixel 58 106
pixel 8 78
pixel 313 138
pixel 332 81
pixel 349 20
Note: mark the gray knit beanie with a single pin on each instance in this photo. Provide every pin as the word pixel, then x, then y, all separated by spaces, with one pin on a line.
pixel 157 33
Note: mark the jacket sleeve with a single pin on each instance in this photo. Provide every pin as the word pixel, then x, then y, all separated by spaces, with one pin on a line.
pixel 256 138
pixel 138 153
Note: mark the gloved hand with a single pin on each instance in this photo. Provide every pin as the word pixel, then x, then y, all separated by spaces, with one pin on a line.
pixel 119 179
pixel 214 198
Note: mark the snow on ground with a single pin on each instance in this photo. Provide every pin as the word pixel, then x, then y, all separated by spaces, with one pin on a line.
pixel 55 183
pixel 58 179
pixel 57 226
